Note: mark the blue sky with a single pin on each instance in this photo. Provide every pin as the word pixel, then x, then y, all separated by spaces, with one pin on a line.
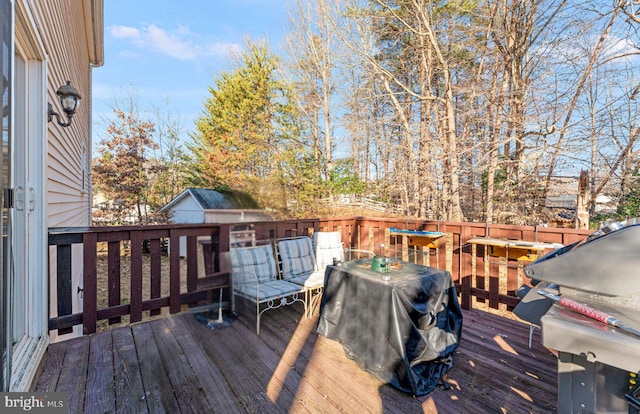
pixel 172 51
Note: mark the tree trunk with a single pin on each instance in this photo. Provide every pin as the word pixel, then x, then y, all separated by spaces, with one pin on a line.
pixel 582 211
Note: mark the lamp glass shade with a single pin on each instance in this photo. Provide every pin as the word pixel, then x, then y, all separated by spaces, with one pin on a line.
pixel 69 98
pixel 69 103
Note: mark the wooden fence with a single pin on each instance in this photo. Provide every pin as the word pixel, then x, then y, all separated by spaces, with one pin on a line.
pixel 149 289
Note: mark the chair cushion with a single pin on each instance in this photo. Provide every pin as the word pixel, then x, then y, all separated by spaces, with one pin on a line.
pixel 297 257
pixel 328 246
pixel 273 289
pixel 327 238
pixel 256 260
pixel 313 280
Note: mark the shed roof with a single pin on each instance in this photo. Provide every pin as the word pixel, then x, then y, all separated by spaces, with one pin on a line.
pixel 210 199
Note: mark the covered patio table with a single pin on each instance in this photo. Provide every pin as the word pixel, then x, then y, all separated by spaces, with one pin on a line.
pixel 403 330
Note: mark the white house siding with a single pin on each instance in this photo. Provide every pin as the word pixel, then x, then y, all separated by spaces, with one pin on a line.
pixel 187 210
pixel 72 33
pixel 234 216
pixel 66 37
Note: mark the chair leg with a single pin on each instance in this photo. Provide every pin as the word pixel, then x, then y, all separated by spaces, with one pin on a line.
pixel 315 300
pixel 258 319
pixel 307 295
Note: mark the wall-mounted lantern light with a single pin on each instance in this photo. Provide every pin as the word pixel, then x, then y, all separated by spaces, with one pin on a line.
pixel 69 98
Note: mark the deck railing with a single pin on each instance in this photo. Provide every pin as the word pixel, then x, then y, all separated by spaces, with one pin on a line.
pixel 118 272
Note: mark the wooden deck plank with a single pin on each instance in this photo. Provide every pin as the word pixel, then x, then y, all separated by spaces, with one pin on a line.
pixel 129 389
pixel 245 377
pixel 185 367
pixel 213 383
pixel 502 348
pixel 495 371
pixel 513 360
pixel 336 382
pixel 74 372
pixel 494 392
pixel 284 373
pixel 184 382
pixel 100 392
pixel 158 391
pixel 510 366
pixel 327 368
pixel 52 365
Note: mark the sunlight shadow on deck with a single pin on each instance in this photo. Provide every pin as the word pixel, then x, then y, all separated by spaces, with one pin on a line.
pixel 521 394
pixel 288 360
pixel 504 345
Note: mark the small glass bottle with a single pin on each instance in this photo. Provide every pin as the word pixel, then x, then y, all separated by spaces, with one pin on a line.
pixel 386 277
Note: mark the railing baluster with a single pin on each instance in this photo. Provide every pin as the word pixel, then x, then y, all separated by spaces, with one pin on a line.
pixel 113 270
pixel 174 271
pixel 156 273
pixel 90 281
pixel 136 277
pixel 63 272
pixel 464 278
pixel 192 263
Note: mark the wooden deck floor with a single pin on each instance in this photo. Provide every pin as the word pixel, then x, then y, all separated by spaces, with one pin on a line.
pixel 177 365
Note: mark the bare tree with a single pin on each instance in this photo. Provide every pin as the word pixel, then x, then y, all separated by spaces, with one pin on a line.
pixel 311 48
pixel 170 156
pixel 581 82
pixel 469 110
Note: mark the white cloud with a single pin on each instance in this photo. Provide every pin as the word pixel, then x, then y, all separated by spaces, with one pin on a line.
pixel 178 44
pixel 616 47
pixel 125 32
pixel 109 92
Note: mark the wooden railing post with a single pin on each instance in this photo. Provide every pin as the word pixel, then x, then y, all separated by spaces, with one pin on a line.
pixel 90 283
pixel 114 277
pixel 155 288
pixel 174 271
pixel 192 263
pixel 136 277
pixel 63 277
pixel 465 270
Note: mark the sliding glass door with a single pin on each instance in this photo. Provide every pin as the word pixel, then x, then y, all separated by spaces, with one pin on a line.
pixel 6 20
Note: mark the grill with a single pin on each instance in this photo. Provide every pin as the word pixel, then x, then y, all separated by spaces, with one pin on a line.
pixel 586 300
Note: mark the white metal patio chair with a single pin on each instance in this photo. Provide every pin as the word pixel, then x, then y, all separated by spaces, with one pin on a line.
pixel 255 278
pixel 328 247
pixel 298 265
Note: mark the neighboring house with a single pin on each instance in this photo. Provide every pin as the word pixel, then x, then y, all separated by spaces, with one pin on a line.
pixel 568 201
pixel 606 204
pixel 202 205
pixel 102 216
pixel 563 194
pixel 45 168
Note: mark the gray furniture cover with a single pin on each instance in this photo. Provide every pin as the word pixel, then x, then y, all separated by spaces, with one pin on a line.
pixel 403 331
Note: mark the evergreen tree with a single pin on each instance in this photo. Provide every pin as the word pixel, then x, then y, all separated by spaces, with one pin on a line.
pixel 246 137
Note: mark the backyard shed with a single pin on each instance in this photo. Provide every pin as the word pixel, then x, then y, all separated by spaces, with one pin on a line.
pixel 204 205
